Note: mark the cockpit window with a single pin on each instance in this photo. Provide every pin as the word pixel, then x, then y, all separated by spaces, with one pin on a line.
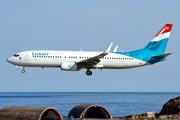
pixel 16 55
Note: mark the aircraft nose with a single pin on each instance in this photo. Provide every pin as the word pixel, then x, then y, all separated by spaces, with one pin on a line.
pixel 10 60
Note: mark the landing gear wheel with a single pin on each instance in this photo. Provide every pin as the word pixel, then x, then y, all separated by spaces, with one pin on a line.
pixel 23 71
pixel 88 72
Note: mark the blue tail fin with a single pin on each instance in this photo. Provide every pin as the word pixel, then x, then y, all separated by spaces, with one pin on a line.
pixel 160 40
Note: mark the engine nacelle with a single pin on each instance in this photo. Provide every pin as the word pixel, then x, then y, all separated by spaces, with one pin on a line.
pixel 69 66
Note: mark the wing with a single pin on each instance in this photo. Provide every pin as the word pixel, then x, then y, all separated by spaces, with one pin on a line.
pixel 89 63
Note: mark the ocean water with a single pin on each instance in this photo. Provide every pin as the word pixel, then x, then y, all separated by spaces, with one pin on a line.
pixel 117 103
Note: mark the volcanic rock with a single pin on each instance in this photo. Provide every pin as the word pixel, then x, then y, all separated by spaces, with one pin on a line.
pixel 171 107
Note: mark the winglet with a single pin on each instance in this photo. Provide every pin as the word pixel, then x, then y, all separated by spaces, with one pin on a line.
pixel 115 49
pixel 108 49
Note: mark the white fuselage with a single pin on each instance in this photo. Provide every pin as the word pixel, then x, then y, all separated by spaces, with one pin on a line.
pixel 55 58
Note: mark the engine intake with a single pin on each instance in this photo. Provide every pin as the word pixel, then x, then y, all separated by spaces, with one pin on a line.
pixel 69 66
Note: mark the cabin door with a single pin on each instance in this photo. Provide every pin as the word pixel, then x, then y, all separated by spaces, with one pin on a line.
pixel 26 57
pixel 140 59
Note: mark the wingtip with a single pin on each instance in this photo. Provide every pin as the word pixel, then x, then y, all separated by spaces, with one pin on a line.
pixel 108 49
pixel 115 49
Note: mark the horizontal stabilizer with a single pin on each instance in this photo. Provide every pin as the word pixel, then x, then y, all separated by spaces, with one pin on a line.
pixel 162 56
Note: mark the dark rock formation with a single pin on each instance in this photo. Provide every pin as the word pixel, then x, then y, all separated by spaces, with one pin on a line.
pixel 171 107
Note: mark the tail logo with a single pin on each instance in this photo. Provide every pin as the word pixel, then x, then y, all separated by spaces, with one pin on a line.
pixel 165 29
pixel 163 33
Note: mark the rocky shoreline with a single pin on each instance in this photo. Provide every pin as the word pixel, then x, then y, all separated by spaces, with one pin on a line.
pixel 149 116
pixel 144 116
pixel 170 111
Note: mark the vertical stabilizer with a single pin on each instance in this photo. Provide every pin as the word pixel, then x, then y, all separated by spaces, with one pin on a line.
pixel 160 40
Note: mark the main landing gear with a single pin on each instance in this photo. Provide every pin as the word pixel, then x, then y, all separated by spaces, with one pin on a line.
pixel 88 72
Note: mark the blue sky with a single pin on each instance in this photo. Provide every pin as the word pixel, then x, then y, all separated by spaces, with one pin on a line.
pixel 90 26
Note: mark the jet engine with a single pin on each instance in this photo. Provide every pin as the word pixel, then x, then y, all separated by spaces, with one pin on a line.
pixel 69 66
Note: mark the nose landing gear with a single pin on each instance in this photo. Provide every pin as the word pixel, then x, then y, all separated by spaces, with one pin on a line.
pixel 23 71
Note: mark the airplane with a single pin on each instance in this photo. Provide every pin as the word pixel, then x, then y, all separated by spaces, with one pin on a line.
pixel 152 53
